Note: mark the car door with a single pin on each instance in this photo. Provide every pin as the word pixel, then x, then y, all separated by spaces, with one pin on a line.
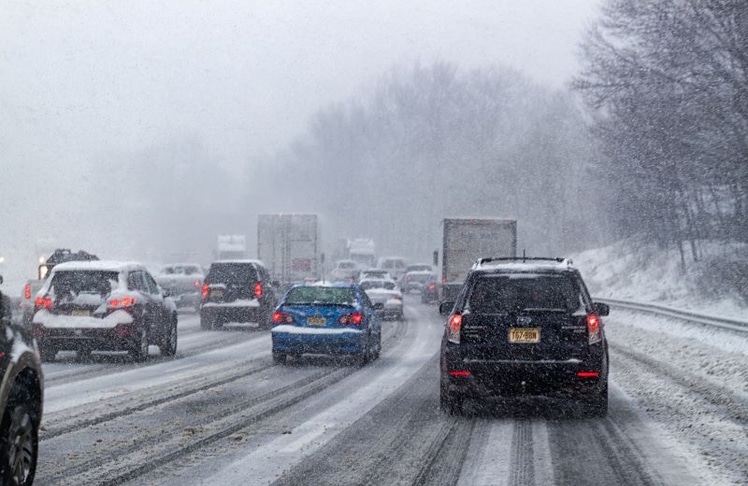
pixel 136 282
pixel 160 312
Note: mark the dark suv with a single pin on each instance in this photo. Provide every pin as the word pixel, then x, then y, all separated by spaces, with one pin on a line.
pixel 21 398
pixel 237 291
pixel 524 327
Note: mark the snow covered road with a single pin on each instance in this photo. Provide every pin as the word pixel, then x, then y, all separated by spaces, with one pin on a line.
pixel 222 413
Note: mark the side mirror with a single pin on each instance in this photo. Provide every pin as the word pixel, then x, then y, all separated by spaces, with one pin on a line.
pixel 600 308
pixel 1 279
pixel 445 308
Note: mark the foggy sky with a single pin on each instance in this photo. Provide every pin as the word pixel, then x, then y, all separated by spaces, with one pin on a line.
pixel 83 79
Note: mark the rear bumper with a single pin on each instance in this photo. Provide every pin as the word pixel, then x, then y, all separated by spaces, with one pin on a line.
pixel 555 379
pixel 120 338
pixel 334 343
pixel 227 313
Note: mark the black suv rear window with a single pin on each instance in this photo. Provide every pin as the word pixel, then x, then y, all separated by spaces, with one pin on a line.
pixel 231 273
pixel 516 292
pixel 71 283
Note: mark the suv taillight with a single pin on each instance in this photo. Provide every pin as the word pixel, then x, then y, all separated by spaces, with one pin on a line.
pixel 205 291
pixel 282 318
pixel 593 329
pixel 454 326
pixel 122 303
pixel 43 302
pixel 258 290
pixel 27 291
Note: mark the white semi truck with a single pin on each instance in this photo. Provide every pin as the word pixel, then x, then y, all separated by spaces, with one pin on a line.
pixel 231 247
pixel 464 241
pixel 288 245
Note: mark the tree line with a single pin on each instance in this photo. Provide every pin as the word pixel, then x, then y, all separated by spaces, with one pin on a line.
pixel 668 83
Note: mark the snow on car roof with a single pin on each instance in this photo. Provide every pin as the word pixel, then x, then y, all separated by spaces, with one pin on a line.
pixel 110 265
pixel 525 266
pixel 242 260
pixel 420 272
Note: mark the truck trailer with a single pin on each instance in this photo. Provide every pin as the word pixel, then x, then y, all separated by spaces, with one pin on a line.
pixel 464 241
pixel 288 245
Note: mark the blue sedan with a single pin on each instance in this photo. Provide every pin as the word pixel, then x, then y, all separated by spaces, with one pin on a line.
pixel 333 319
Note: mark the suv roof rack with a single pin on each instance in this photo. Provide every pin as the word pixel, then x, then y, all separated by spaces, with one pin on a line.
pixel 524 259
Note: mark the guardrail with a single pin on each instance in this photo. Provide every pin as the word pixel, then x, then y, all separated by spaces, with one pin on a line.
pixel 689 316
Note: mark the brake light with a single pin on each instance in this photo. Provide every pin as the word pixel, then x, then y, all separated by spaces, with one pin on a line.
pixel 122 303
pixel 205 291
pixel 432 287
pixel 460 373
pixel 43 302
pixel 282 318
pixel 352 319
pixel 588 374
pixel 27 291
pixel 197 284
pixel 454 325
pixel 593 329
pixel 258 290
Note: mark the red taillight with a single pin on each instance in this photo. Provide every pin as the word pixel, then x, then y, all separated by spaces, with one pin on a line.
pixel 588 374
pixel 352 319
pixel 282 318
pixel 454 325
pixel 432 287
pixel 593 329
pixel 460 373
pixel 205 291
pixel 122 303
pixel 27 291
pixel 197 284
pixel 43 302
pixel 258 290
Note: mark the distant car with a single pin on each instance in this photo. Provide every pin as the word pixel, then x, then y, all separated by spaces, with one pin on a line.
pixel 183 282
pixel 374 273
pixel 344 271
pixel 237 291
pixel 419 267
pixel 103 306
pixel 333 319
pixel 430 291
pixel 524 327
pixel 416 280
pixel 394 264
pixel 386 297
pixel 21 399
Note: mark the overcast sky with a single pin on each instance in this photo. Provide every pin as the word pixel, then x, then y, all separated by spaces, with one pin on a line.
pixel 80 79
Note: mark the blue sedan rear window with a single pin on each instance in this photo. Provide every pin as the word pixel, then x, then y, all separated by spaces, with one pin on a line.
pixel 321 295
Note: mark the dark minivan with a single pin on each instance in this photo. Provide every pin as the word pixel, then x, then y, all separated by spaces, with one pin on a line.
pixel 524 327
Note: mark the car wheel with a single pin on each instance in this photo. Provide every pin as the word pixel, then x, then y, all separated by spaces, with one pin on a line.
pixel 47 352
pixel 19 445
pixel 206 323
pixel 169 345
pixel 596 405
pixel 377 347
pixel 139 351
pixel 363 357
pixel 279 358
pixel 448 402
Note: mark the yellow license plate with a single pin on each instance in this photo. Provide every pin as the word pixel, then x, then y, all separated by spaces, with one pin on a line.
pixel 316 321
pixel 524 335
pixel 216 294
pixel 79 312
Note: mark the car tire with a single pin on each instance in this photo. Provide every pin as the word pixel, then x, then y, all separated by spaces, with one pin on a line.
pixel 363 357
pixel 279 358
pixel 596 405
pixel 19 444
pixel 139 351
pixel 47 352
pixel 206 323
pixel 377 348
pixel 169 345
pixel 448 402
